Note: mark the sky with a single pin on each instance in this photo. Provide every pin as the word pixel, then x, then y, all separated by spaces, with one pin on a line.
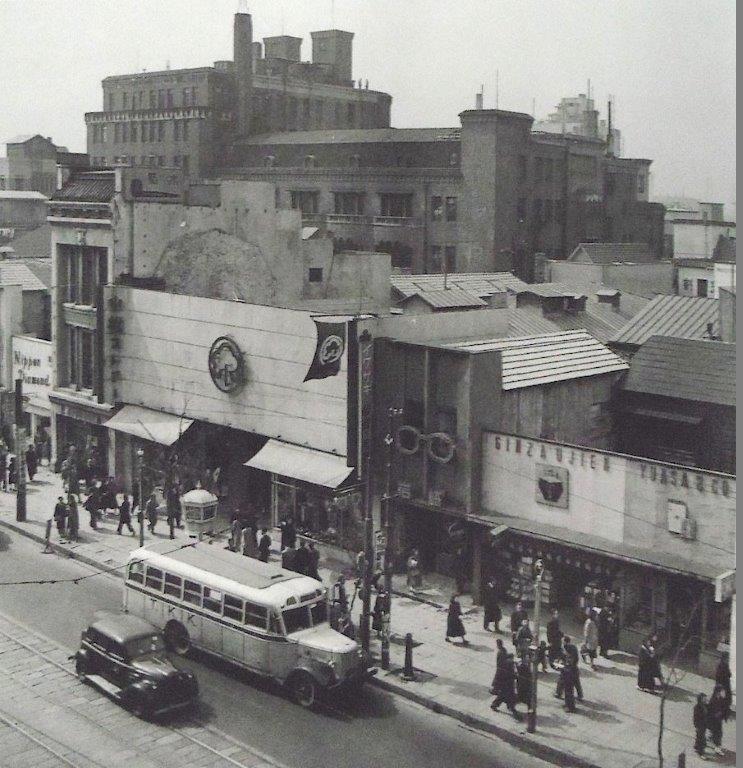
pixel 669 64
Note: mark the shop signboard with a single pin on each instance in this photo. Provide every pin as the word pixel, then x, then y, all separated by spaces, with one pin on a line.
pixel 32 362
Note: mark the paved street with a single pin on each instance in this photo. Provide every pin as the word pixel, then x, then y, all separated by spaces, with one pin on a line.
pixel 364 733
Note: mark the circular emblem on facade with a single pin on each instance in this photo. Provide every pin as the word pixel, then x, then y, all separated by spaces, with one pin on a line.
pixel 331 350
pixel 226 365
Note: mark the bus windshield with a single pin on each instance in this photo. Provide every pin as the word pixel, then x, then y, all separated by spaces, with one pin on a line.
pixel 305 616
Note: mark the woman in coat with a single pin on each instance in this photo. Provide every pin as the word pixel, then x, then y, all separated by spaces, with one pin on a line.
pixel 700 725
pixel 73 517
pixel 646 667
pixel 715 715
pixel 92 505
pixel 504 686
pixel 590 639
pixel 492 611
pixel 454 626
pixel 722 678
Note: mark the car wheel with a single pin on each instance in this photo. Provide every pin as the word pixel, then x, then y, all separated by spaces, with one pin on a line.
pixel 176 638
pixel 303 689
pixel 81 667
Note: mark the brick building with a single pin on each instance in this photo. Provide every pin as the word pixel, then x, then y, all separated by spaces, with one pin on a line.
pixel 189 117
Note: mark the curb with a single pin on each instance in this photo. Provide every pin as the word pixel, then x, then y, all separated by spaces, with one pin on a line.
pixel 523 743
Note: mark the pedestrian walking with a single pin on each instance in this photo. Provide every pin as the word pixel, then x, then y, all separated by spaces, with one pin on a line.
pixel 313 568
pixel 151 512
pixel 236 534
pixel 523 640
pixel 73 517
pixel 302 558
pixel 646 666
pixel 454 626
pixel 12 472
pixel 92 504
pixel 590 640
pixel 504 686
pixel 700 725
pixel 288 559
pixel 569 682
pixel 722 678
pixel 517 617
pixel 381 608
pixel 264 546
pixel 492 612
pixel 125 516
pixel 554 638
pixel 60 516
pixel 288 533
pixel 606 624
pixel 523 682
pixel 500 659
pixel 3 465
pixel 413 567
pixel 569 657
pixel 715 716
pixel 339 593
pixel 32 461
pixel 250 541
pixel 361 565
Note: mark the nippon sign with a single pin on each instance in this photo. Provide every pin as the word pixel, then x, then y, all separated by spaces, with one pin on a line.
pixel 32 362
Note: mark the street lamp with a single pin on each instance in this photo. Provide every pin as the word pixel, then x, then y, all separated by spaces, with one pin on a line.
pixel 531 725
pixel 389 441
pixel 140 462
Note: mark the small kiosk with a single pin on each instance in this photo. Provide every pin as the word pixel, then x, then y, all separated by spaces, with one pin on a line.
pixel 200 509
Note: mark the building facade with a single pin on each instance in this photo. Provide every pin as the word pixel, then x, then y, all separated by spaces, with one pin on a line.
pixel 32 163
pixel 189 118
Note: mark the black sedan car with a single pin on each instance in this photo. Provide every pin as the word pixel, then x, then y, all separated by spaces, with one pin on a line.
pixel 124 656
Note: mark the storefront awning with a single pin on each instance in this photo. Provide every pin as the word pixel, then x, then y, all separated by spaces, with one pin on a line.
pixel 301 463
pixel 156 426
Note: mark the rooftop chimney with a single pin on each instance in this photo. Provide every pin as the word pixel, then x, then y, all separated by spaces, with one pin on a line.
pixel 243 57
pixel 479 98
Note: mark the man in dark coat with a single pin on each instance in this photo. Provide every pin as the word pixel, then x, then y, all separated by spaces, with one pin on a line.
pixel 492 612
pixel 518 615
pixel 646 666
pixel 92 505
pixel 504 686
pixel 60 515
pixel 301 558
pixel 32 462
pixel 151 512
pixel 288 558
pixel 700 725
pixel 125 516
pixel 264 546
pixel 501 655
pixel 715 716
pixel 523 640
pixel 722 678
pixel 313 568
pixel 569 681
pixel 606 623
pixel 454 626
pixel 570 653
pixel 554 638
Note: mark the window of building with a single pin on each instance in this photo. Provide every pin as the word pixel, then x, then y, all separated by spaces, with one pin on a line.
pixel 315 274
pixel 160 99
pixel 133 132
pixel 117 133
pixel 186 97
pixel 125 132
pixel 309 161
pixel 451 208
pixel 125 100
pixel 396 205
pixel 81 357
pixel 305 201
pixel 523 168
pixel 434 258
pixel 349 203
pixel 641 184
pixel 437 208
pixel 176 130
pixel 169 98
pixel 401 254
pixel 153 99
pixel 145 130
pixel 153 131
pixel 185 129
pixel 104 134
pixel 160 130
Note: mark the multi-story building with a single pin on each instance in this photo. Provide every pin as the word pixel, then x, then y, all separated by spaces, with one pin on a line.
pixel 483 196
pixel 32 163
pixel 189 117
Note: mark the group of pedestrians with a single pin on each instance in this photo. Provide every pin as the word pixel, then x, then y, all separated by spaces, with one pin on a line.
pixel 9 466
pixel 66 517
pixel 709 715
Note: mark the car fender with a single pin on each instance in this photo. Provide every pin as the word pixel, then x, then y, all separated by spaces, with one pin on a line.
pixel 320 671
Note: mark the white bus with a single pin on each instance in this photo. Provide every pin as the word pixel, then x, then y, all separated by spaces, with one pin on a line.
pixel 271 621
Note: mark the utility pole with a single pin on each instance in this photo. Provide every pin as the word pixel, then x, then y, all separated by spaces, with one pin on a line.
pixel 531 725
pixel 389 441
pixel 140 457
pixel 20 460
pixel 368 574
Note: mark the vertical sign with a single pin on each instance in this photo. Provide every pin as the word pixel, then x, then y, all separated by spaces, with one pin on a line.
pixel 366 347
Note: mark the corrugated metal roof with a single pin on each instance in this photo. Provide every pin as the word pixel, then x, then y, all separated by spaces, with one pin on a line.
pixel 478 283
pixel 448 299
pixel 609 253
pixel 601 327
pixel 21 194
pixel 18 273
pixel 89 187
pixel 358 136
pixel 524 322
pixel 683 316
pixel 558 290
pixel 535 360
pixel 687 369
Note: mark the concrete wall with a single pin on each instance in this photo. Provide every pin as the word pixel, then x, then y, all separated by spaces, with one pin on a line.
pixel 688 276
pixel 164 365
pixel 638 279
pixel 698 241
pixel 22 212
pixel 614 497
pixel 11 313
pixel 445 326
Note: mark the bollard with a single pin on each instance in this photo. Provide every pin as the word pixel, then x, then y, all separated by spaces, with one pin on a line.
pixel 47 544
pixel 407 671
pixel 682 760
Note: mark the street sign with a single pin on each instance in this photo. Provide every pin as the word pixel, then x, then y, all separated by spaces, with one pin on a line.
pixel 724 586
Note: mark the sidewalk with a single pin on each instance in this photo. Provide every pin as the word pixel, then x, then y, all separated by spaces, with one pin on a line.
pixel 616 727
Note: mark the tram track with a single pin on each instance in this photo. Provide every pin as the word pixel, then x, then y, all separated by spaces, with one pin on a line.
pixel 193 722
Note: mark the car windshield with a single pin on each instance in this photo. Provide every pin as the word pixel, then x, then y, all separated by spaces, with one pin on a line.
pixel 296 619
pixel 147 645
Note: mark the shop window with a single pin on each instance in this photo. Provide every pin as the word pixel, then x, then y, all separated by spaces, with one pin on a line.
pixel 451 208
pixel 437 208
pixel 315 274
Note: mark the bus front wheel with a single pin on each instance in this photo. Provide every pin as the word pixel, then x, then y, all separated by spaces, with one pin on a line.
pixel 303 689
pixel 176 638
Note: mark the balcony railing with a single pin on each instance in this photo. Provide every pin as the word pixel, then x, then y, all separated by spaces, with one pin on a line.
pixel 339 219
pixel 396 221
pixel 346 218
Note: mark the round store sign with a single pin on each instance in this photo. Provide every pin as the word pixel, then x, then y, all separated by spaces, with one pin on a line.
pixel 226 364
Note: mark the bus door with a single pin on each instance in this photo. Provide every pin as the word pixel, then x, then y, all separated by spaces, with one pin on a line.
pixel 211 631
pixel 282 653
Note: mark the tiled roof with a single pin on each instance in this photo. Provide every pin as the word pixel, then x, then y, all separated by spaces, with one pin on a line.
pixel 357 136
pixel 687 369
pixel 450 298
pixel 34 244
pixel 602 326
pixel 682 316
pixel 478 283
pixel 21 194
pixel 536 360
pixel 609 253
pixel 550 290
pixel 88 187
pixel 18 273
pixel 524 322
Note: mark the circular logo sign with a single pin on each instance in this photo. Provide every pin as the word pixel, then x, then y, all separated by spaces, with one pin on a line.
pixel 226 365
pixel 330 350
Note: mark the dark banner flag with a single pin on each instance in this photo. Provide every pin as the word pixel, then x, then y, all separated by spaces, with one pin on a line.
pixel 331 342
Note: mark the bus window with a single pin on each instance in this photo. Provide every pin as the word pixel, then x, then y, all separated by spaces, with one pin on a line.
pixel 192 592
pixel 172 585
pixel 212 600
pixel 154 579
pixel 319 613
pixel 233 608
pixel 136 571
pixel 255 615
pixel 296 619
